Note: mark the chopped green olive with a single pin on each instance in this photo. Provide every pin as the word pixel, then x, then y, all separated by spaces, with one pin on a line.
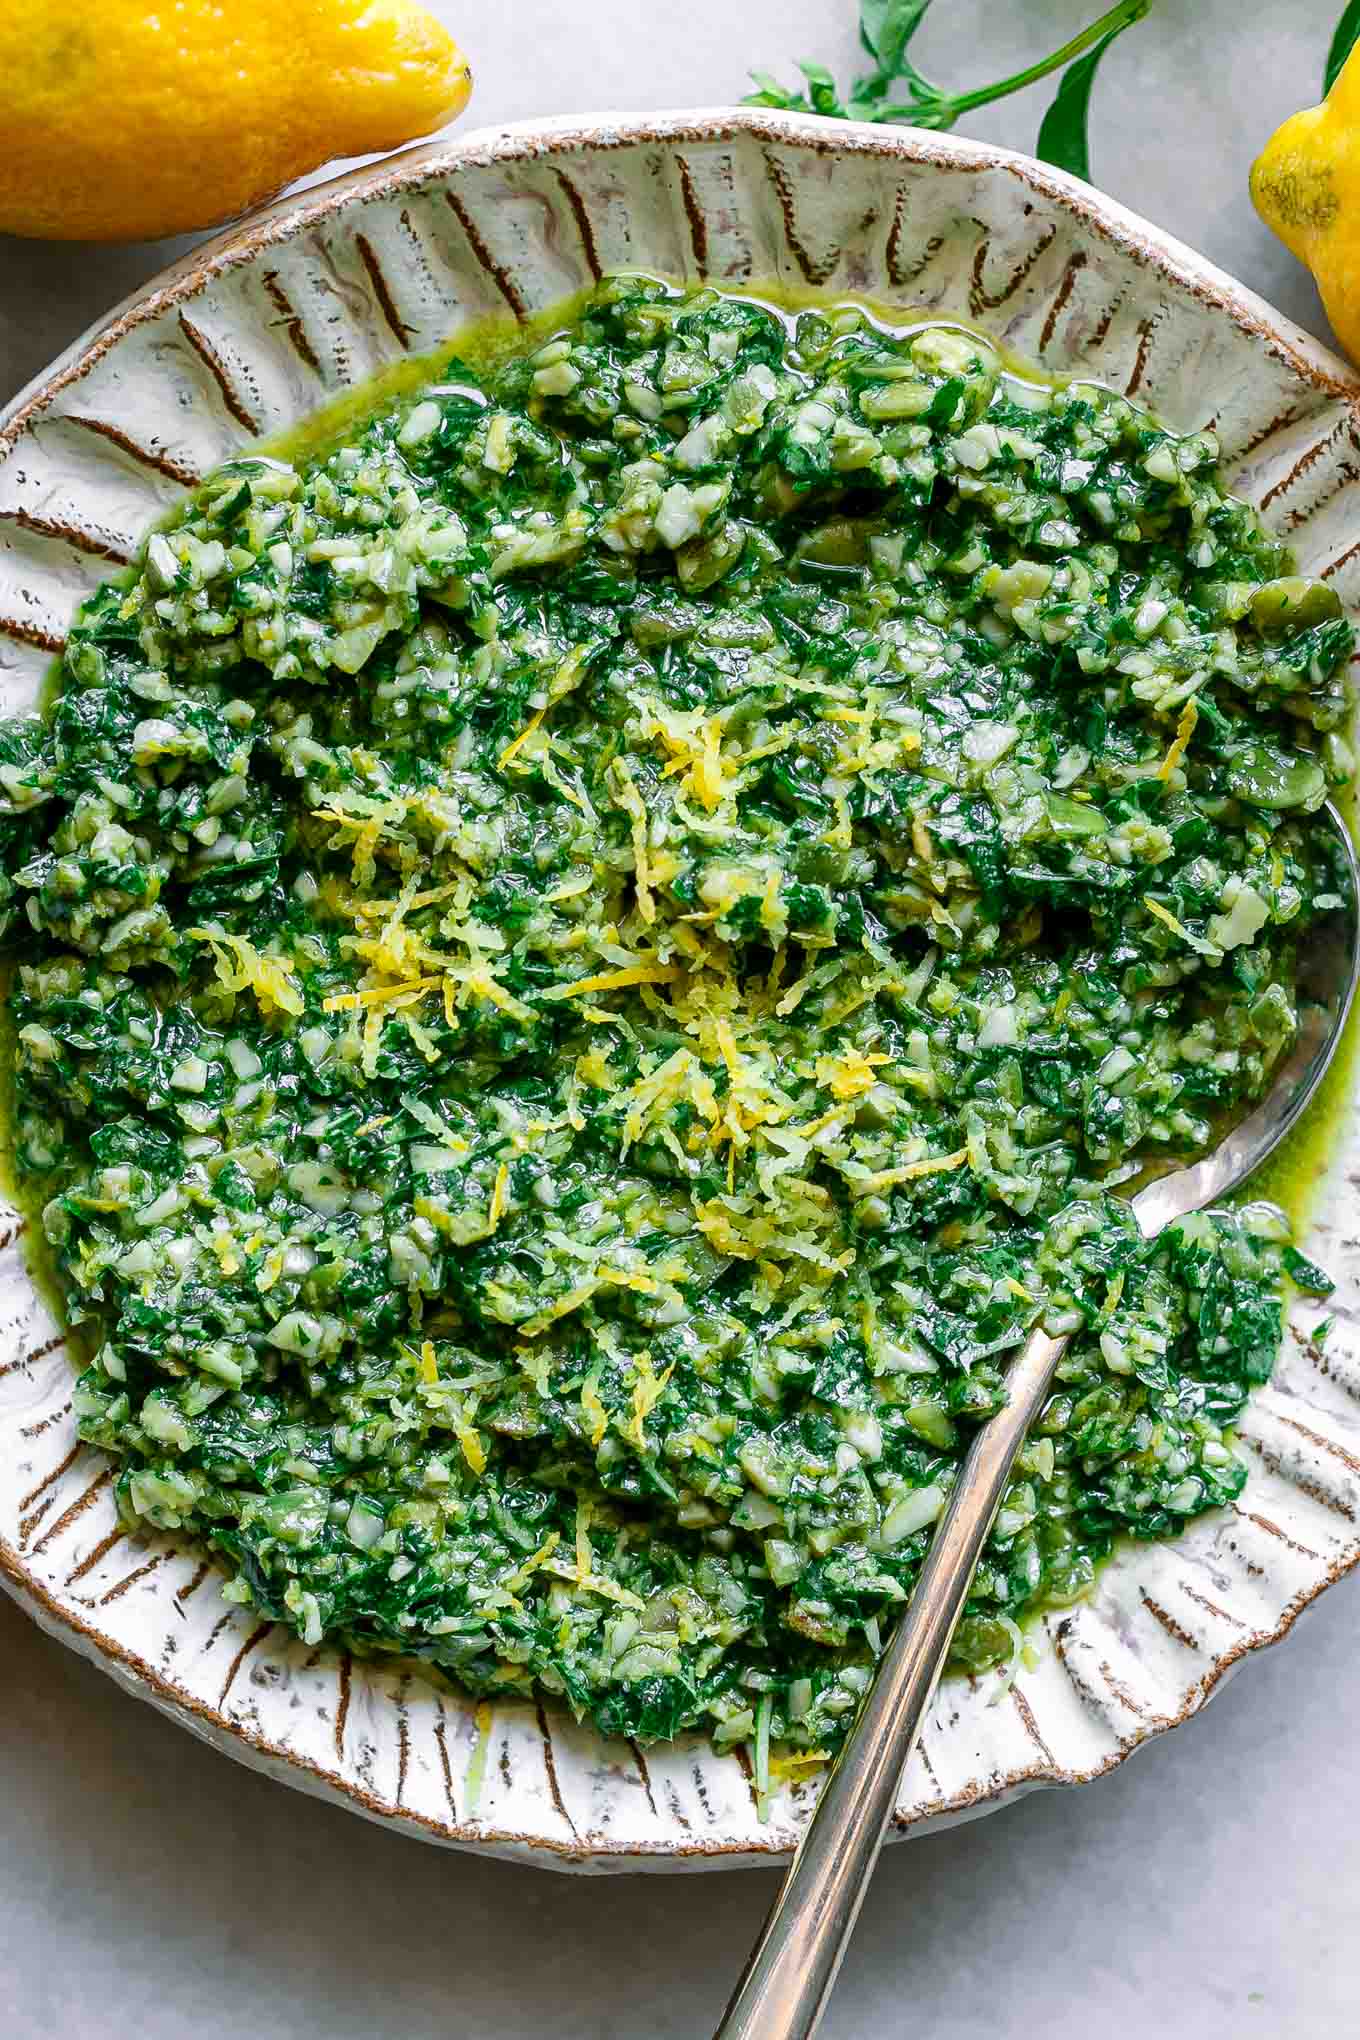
pixel 1272 777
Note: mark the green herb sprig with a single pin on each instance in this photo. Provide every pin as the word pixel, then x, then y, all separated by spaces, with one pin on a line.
pixel 896 91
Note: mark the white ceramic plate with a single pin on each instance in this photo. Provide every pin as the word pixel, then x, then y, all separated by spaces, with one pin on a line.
pixel 249 335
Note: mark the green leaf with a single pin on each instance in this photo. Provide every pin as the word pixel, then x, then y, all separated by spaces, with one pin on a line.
pixel 1063 139
pixel 1343 42
pixel 885 28
pixel 822 91
pixel 769 92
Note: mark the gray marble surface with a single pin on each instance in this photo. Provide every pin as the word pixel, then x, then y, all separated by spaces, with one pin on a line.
pixel 150 1887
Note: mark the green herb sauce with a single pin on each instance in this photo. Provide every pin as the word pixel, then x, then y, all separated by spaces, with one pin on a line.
pixel 590 951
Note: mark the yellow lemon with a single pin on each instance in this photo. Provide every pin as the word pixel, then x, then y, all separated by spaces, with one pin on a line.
pixel 1306 185
pixel 125 120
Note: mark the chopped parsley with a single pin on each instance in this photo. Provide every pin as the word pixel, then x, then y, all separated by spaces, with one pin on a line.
pixel 588 964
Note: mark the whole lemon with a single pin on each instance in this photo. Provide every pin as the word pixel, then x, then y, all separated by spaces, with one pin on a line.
pixel 125 121
pixel 1306 185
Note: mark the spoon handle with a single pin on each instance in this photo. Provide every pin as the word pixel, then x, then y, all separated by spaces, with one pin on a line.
pixel 793 1966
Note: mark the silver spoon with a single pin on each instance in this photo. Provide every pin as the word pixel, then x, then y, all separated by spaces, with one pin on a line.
pixel 792 1969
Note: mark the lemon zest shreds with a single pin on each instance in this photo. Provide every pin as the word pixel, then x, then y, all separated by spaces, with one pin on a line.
pixel 429 1366
pixel 498 1197
pixel 567 676
pixel 595 1583
pixel 851 1073
pixel 570 889
pixel 594 1411
pixel 816 1126
pixel 483 984
pixel 593 1068
pixel 522 1574
pixel 584 1574
pixel 561 784
pixel 563 1307
pixel 517 744
pixel 709 772
pixel 585 1557
pixel 615 980
pixel 372 1041
pixel 421 1036
pixel 720 1227
pixel 695 744
pixel 370 909
pixel 626 1278
pixel 269 977
pixel 769 750
pixel 378 995
pixel 794 996
pixel 468 1438
pixel 1180 743
pixel 368 818
pixel 679 1076
pixel 930 1165
pixel 1165 915
pixel 647 1392
pixel 630 800
pixel 773 919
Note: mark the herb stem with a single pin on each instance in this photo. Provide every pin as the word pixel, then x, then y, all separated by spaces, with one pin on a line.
pixel 1120 16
